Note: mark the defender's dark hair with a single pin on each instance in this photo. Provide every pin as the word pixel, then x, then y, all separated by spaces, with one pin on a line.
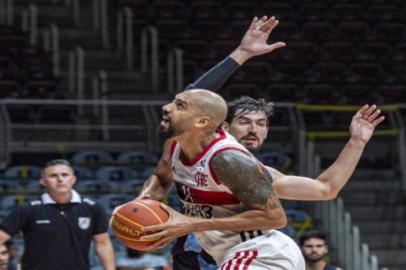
pixel 249 104
pixel 312 234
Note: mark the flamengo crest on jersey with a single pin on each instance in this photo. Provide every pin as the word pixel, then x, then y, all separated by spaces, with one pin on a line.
pixel 204 196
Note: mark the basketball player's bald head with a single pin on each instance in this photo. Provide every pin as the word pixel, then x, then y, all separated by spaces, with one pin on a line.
pixel 208 103
pixel 193 110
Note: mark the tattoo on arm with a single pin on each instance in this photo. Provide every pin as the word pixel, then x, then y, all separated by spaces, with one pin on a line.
pixel 244 176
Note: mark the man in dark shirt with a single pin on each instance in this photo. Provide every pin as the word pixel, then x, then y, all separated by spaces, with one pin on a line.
pixel 59 228
pixel 315 250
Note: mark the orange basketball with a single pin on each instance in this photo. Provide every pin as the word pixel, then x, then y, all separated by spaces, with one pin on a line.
pixel 132 216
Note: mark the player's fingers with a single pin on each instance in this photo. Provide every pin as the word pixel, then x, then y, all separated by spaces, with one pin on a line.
pixel 273 25
pixel 374 115
pixel 152 236
pixel 370 110
pixel 253 23
pixel 378 121
pixel 361 111
pixel 153 228
pixel 267 25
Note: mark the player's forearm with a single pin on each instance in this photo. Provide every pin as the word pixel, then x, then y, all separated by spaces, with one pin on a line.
pixel 248 220
pixel 154 189
pixel 106 254
pixel 216 76
pixel 337 175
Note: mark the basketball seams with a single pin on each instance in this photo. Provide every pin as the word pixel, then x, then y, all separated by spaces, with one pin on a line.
pixel 129 220
pixel 150 210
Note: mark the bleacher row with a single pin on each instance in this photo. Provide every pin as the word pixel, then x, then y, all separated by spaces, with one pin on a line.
pixel 25 71
pixel 337 52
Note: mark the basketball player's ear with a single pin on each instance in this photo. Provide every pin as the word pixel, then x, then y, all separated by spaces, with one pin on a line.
pixel 225 126
pixel 202 121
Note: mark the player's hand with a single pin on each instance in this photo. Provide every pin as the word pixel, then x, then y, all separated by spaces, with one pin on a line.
pixel 255 39
pixel 139 197
pixel 176 226
pixel 364 122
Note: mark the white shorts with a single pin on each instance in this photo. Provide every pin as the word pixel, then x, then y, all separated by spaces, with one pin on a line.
pixel 273 250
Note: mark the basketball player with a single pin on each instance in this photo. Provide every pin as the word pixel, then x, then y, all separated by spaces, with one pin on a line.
pixel 248 121
pixel 59 228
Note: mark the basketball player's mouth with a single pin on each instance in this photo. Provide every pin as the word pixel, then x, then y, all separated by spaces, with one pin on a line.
pixel 250 139
pixel 165 120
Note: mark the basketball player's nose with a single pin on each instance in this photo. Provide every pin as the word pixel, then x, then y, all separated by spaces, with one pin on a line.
pixel 252 128
pixel 166 109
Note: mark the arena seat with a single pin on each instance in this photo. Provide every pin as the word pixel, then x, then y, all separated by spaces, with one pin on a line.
pixel 299 220
pixel 275 159
pixel 23 172
pixel 91 157
pixel 115 173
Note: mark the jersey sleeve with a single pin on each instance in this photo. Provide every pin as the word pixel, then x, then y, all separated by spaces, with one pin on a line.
pixel 100 219
pixel 216 76
pixel 14 221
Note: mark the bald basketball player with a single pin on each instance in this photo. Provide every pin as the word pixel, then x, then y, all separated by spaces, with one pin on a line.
pixel 227 194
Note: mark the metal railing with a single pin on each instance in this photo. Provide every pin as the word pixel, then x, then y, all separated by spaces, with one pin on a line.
pixel 175 71
pixel 353 254
pixel 124 31
pixel 150 55
pixel 100 21
pixel 6 12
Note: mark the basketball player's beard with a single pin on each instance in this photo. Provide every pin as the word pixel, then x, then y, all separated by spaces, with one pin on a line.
pixel 170 131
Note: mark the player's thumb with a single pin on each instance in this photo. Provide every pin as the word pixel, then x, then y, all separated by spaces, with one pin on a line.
pixel 276 45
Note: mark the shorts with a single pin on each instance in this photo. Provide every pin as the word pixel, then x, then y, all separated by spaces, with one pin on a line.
pixel 273 250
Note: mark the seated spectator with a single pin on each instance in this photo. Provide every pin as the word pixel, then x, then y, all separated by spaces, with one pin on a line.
pixel 315 250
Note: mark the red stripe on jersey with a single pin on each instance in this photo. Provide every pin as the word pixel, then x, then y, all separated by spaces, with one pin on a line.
pixel 240 259
pixel 205 150
pixel 212 197
pixel 250 259
pixel 213 174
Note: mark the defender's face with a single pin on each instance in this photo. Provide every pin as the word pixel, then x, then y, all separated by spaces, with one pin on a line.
pixel 249 128
pixel 314 249
pixel 58 179
pixel 4 257
pixel 177 116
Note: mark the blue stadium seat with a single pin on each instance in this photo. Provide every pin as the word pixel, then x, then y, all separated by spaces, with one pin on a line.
pixel 275 159
pixel 299 220
pixel 111 201
pixel 92 158
pixel 115 174
pixel 23 172
pixel 9 186
pixel 83 173
pixel 137 157
pixel 35 186
pixel 92 186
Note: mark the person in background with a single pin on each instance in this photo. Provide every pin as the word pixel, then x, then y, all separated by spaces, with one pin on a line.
pixel 59 227
pixel 315 250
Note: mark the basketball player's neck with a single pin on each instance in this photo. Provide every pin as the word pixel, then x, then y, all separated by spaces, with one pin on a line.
pixel 193 144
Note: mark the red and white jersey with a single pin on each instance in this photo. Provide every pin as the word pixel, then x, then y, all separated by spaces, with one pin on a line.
pixel 204 196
